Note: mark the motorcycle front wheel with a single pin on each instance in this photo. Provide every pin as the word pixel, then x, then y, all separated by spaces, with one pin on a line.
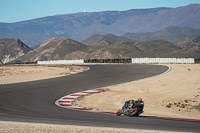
pixel 119 112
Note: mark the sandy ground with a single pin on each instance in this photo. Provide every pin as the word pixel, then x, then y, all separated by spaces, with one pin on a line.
pixel 19 127
pixel 23 73
pixel 174 94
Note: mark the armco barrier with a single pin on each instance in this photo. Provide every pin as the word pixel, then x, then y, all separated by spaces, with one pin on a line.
pixel 61 62
pixel 163 60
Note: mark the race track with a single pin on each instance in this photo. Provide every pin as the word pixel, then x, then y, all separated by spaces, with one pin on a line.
pixel 35 101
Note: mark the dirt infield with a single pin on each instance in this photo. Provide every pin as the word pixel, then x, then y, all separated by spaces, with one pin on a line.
pixel 23 73
pixel 174 94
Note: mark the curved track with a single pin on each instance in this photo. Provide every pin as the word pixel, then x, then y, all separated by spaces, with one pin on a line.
pixel 34 101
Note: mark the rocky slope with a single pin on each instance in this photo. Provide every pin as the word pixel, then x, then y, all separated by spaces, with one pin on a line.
pixel 190 46
pixel 188 42
pixel 54 49
pixel 10 49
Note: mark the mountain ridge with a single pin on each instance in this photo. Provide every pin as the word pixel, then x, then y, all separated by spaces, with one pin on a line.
pixel 79 26
pixel 170 33
pixel 62 49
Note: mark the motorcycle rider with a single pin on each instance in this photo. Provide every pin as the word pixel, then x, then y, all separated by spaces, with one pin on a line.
pixel 128 104
pixel 131 103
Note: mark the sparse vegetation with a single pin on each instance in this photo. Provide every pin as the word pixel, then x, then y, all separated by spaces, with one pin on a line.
pixel 71 68
pixel 186 101
pixel 169 105
pixel 196 107
pixel 181 104
pixel 187 104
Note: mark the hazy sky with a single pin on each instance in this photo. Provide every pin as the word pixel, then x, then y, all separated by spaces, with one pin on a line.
pixel 18 10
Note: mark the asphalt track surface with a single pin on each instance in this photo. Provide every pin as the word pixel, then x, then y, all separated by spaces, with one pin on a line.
pixel 35 101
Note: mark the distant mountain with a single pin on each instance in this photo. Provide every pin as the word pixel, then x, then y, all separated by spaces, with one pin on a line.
pixel 95 39
pixel 79 26
pixel 171 34
pixel 10 49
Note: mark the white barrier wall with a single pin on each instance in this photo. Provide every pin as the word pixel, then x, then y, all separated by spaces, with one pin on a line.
pixel 134 60
pixel 164 60
pixel 61 62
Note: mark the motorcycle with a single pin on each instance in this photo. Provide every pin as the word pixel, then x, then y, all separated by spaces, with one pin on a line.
pixel 136 110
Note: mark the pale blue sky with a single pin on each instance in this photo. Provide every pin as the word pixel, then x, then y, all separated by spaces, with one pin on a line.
pixel 19 10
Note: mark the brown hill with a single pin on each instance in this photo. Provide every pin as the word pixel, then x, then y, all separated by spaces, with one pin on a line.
pixel 59 49
pixel 54 49
pixel 170 33
pixel 190 46
pixel 10 49
pixel 189 42
pixel 157 48
pixel 103 43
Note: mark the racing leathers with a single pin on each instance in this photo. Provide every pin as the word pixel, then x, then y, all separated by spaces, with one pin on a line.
pixel 128 104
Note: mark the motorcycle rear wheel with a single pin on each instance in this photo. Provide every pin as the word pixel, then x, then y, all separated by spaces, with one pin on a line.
pixel 134 113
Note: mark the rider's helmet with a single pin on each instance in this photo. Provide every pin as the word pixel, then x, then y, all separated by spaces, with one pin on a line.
pixel 140 99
